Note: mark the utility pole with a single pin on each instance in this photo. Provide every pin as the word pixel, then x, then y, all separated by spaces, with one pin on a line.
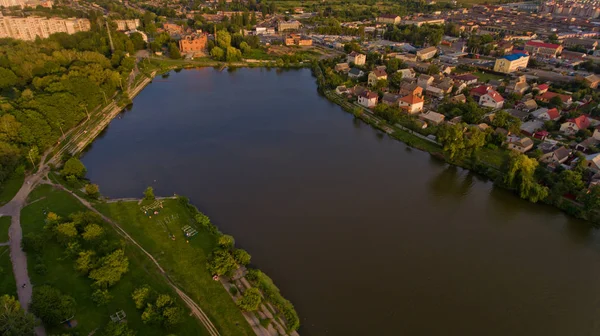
pixel 112 46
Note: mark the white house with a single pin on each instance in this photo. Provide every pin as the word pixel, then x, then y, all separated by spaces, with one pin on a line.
pixel 368 99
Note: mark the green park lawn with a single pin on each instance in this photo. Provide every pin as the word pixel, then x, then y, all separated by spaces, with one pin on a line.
pixel 7 279
pixel 4 225
pixel 10 187
pixel 184 262
pixel 62 275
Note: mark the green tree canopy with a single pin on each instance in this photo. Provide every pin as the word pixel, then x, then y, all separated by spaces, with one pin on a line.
pixel 74 167
pixel 112 267
pixel 51 306
pixel 14 321
pixel 251 300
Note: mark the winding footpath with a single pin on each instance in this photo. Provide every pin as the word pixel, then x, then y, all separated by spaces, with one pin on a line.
pixel 18 257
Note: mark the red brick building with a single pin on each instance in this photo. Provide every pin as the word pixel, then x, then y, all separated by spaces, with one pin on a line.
pixel 193 43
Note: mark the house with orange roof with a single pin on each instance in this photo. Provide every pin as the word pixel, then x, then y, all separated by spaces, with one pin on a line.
pixel 548 95
pixel 574 125
pixel 412 103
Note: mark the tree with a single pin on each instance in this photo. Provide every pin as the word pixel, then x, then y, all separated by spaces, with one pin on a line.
pixel 233 55
pixel 92 232
pixel 138 41
pixel 51 306
pixel 149 194
pixel 226 241
pixel 555 102
pixel 117 329
pixel 174 51
pixel 101 297
pixel 66 232
pixel 7 78
pixel 112 268
pixel 217 53
pixel 202 219
pixel 241 257
pixel 451 137
pixel 433 69
pixel 14 321
pixel 520 175
pixel 221 262
pixel 223 39
pixel 251 300
pixel 92 190
pixel 245 48
pixel 140 296
pixel 395 80
pixel 74 167
pixel 85 262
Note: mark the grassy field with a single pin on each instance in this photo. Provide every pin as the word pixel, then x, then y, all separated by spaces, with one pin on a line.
pixel 62 275
pixel 485 77
pixel 7 279
pixel 4 224
pixel 9 188
pixel 184 262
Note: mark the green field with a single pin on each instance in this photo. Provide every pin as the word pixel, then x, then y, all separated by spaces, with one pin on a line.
pixel 62 275
pixel 4 225
pixel 485 76
pixel 10 187
pixel 184 262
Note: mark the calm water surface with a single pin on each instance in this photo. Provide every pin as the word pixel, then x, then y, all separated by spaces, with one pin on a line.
pixel 364 235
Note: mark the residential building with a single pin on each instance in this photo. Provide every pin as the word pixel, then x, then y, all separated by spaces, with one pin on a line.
pixel 421 21
pixel 574 125
pixel 548 95
pixel 288 25
pixel 125 25
pixel 407 87
pixel 357 58
pixel 297 39
pixel 585 43
pixel 390 99
pixel 342 67
pixel 412 103
pixel 388 19
pixel 487 96
pixel 518 85
pixel 531 126
pixel 573 57
pixel 28 28
pixel 355 73
pixel 521 145
pixel 426 53
pixel 432 117
pixel 424 81
pixel 528 105
pixel 434 92
pixel 542 88
pixel 592 81
pixel 458 99
pixel 557 156
pixel 368 99
pixel 408 73
pixel 539 48
pixel 511 63
pixel 375 76
pixel 173 29
pixel 193 43
pixel 466 78
pixel 545 114
pixel 587 144
pixel 592 161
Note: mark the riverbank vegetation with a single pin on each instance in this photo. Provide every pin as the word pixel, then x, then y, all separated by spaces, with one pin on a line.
pixel 192 260
pixel 77 258
pixel 482 150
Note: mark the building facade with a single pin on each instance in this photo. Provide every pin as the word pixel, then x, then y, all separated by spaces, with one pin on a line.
pixel 124 25
pixel 388 19
pixel 28 28
pixel 288 25
pixel 193 43
pixel 511 63
pixel 548 50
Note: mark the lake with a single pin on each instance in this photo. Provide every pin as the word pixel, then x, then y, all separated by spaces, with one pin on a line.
pixel 363 234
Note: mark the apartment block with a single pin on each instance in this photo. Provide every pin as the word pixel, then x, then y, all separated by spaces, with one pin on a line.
pixel 28 28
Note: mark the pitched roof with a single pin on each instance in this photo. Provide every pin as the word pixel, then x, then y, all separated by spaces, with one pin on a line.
pixel 369 94
pixel 561 153
pixel 542 45
pixel 355 71
pixel 388 16
pixel 495 96
pixel 553 113
pixel 412 99
pixel 426 50
pixel 380 73
pixel 542 87
pixel 481 90
pixel 549 95
pixel 582 121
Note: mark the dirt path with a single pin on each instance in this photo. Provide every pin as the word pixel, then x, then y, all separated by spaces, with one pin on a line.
pixel 196 310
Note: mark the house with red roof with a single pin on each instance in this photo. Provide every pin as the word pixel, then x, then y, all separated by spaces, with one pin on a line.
pixel 542 88
pixel 368 98
pixel 548 95
pixel 574 125
pixel 539 48
pixel 485 95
